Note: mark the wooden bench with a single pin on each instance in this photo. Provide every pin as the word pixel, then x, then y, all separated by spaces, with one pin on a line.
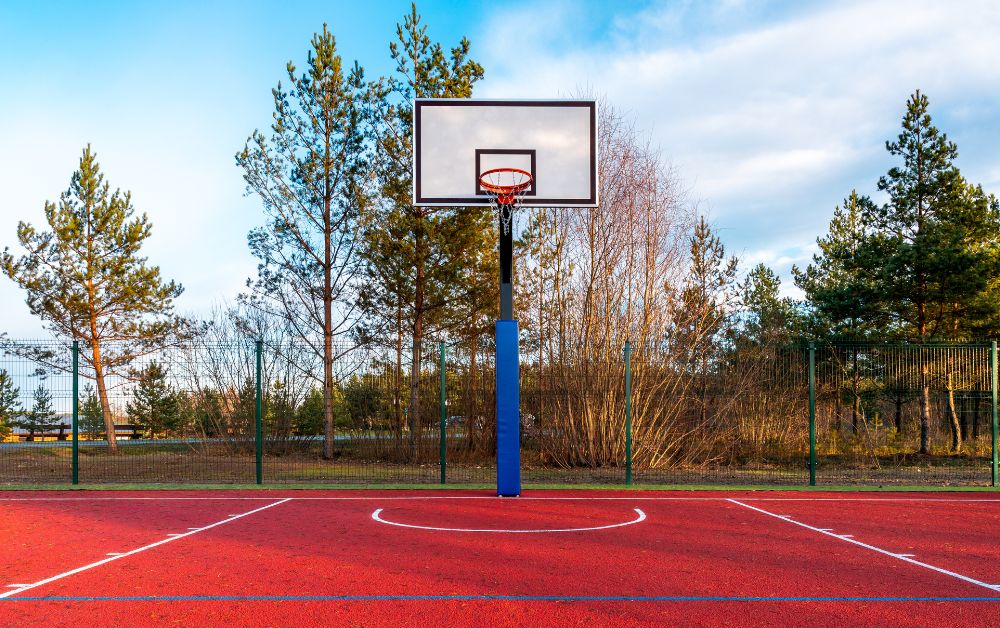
pixel 64 431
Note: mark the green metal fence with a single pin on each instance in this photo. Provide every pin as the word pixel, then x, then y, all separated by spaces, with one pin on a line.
pixel 845 413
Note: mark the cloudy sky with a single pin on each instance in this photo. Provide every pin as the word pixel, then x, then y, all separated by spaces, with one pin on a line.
pixel 770 111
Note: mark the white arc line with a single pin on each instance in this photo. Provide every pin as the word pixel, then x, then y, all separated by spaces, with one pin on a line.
pixel 138 549
pixel 847 539
pixel 641 517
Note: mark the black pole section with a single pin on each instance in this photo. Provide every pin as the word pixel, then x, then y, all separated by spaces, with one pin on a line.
pixel 76 412
pixel 506 264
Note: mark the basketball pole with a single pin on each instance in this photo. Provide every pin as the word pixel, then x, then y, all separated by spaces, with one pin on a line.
pixel 506 267
pixel 507 371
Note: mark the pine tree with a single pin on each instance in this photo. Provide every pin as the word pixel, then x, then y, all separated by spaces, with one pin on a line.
pixel 86 278
pixel 426 266
pixel 91 415
pixel 769 318
pixel 10 406
pixel 918 224
pixel 154 404
pixel 41 417
pixel 935 267
pixel 842 283
pixel 923 266
pixel 705 307
pixel 979 315
pixel 310 175
pixel 708 293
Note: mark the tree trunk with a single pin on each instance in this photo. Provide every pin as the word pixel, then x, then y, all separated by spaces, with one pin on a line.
pixel 925 409
pixel 397 385
pixel 898 417
pixel 102 393
pixel 328 434
pixel 977 404
pixel 327 328
pixel 418 338
pixel 963 415
pixel 855 391
pixel 414 414
pixel 837 413
pixel 956 428
pixel 471 406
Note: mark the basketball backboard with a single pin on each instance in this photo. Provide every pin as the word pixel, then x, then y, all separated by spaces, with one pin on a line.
pixel 455 140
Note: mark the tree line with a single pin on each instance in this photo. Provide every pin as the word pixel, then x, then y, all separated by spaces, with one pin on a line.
pixel 351 270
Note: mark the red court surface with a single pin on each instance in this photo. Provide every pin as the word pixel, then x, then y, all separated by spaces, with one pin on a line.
pixel 467 558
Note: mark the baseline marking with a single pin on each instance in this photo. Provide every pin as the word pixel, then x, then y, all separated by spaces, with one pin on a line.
pixel 847 538
pixel 641 517
pixel 514 598
pixel 172 537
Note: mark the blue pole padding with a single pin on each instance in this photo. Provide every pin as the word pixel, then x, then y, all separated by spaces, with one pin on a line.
pixel 508 411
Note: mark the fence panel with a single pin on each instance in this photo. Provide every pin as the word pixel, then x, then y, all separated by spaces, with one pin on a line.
pixel 182 414
pixel 379 435
pixel 725 419
pixel 877 402
pixel 739 416
pixel 36 411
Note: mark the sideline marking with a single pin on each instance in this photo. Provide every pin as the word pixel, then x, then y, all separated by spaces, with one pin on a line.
pixel 847 538
pixel 641 517
pixel 137 550
pixel 513 598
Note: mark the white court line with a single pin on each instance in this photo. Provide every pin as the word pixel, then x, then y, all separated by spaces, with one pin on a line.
pixel 642 517
pixel 868 499
pixel 172 537
pixel 847 538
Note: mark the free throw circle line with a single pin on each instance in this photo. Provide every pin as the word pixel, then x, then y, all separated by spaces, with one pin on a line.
pixel 641 516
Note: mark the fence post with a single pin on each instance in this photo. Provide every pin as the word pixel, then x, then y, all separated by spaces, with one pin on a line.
pixel 812 414
pixel 443 454
pixel 259 415
pixel 628 413
pixel 993 386
pixel 76 412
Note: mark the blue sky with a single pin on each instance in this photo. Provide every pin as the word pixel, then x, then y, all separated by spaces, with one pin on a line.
pixel 770 112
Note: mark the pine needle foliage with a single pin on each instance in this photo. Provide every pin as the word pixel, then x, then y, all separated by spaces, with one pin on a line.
pixel 87 279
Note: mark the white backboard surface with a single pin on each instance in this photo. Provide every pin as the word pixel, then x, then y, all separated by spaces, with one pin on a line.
pixel 457 139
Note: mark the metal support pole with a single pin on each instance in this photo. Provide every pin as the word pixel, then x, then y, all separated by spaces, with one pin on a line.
pixel 628 413
pixel 443 454
pixel 993 386
pixel 259 415
pixel 508 390
pixel 812 414
pixel 506 266
pixel 76 412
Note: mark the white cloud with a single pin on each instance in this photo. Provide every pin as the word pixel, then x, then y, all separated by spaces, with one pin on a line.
pixel 773 121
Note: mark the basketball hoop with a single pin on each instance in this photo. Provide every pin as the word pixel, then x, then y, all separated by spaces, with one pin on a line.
pixel 505 186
